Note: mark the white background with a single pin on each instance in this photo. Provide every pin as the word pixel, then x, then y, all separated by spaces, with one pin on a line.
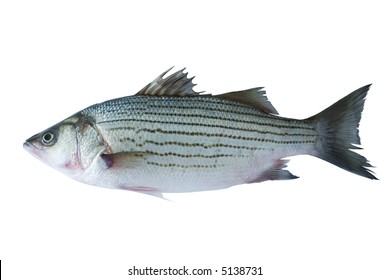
pixel 57 57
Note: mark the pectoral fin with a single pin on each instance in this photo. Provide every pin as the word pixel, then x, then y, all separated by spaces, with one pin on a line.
pixel 123 159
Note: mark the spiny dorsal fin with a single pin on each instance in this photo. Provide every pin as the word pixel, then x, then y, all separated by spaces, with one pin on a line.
pixel 176 84
pixel 254 97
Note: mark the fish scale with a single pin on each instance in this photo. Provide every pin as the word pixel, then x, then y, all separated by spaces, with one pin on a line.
pixel 168 138
pixel 206 121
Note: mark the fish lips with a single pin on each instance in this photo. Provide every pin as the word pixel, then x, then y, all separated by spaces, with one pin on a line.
pixel 29 146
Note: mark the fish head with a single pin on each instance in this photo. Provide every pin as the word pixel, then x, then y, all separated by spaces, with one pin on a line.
pixel 69 146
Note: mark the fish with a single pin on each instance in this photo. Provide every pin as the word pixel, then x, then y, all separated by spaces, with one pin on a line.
pixel 168 138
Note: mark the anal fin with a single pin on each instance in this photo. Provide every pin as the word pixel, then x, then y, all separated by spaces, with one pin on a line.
pixel 276 172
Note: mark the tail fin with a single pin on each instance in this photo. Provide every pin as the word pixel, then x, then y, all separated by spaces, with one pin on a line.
pixel 338 132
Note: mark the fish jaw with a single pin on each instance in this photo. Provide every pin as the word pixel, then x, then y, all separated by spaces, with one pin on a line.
pixel 70 167
pixel 33 150
pixel 62 154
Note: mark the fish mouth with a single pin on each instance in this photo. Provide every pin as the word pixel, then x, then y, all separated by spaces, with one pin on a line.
pixel 29 143
pixel 32 149
pixel 28 146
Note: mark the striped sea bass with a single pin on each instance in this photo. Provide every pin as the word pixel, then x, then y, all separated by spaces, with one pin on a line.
pixel 169 138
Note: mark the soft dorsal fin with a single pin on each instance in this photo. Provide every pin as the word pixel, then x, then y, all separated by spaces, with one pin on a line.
pixel 254 97
pixel 176 84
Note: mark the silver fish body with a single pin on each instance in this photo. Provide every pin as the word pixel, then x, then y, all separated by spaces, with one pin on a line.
pixel 168 138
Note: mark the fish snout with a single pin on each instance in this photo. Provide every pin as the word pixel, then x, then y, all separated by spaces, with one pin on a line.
pixel 28 146
pixel 32 149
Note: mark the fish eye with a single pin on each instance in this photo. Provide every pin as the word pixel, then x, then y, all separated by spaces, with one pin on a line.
pixel 48 138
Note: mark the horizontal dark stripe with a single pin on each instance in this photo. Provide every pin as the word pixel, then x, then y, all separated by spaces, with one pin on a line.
pixel 211 126
pixel 169 154
pixel 184 165
pixel 294 124
pixel 237 137
pixel 168 104
pixel 256 113
pixel 150 101
pixel 185 144
pixel 237 121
